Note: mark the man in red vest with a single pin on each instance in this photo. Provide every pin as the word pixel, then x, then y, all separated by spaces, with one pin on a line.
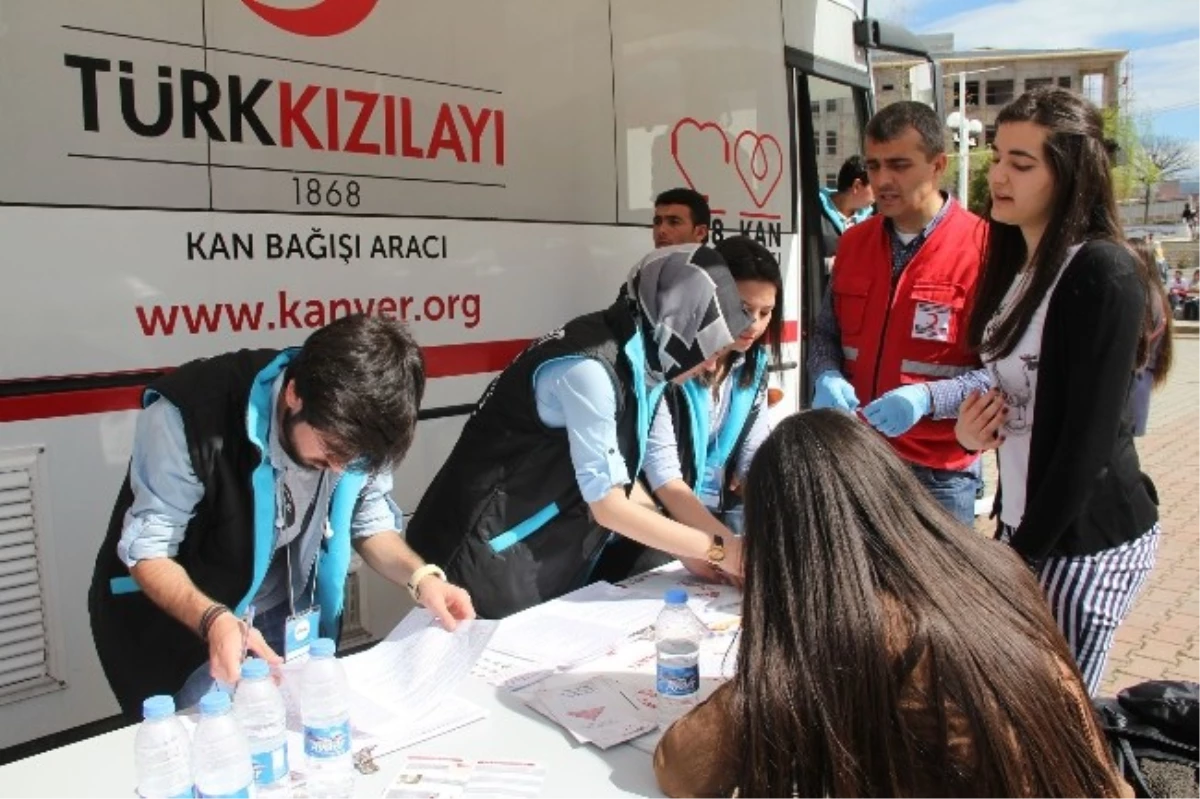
pixel 892 333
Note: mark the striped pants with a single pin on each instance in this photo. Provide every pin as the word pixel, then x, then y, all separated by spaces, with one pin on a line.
pixel 1090 596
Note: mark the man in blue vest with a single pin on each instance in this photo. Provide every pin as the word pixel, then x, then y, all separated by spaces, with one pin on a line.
pixel 253 474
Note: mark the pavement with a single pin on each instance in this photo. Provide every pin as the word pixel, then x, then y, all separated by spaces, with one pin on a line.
pixel 1160 638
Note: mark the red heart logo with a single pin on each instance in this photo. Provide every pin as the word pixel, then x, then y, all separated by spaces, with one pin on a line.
pixel 760 164
pixel 700 127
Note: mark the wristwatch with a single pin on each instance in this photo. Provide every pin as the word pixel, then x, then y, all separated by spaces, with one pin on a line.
pixel 716 552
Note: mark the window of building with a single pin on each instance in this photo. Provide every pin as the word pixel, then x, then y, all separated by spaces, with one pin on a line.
pixel 999 92
pixel 831 180
pixel 831 106
pixel 1065 82
pixel 888 87
pixel 1033 83
pixel 831 142
pixel 972 92
pixel 815 106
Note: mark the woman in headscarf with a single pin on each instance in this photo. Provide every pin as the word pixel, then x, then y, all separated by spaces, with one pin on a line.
pixel 538 484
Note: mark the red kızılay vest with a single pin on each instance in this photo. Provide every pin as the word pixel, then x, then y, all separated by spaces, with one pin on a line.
pixel 915 332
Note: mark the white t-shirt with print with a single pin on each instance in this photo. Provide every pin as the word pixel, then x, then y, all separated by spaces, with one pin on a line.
pixel 1016 376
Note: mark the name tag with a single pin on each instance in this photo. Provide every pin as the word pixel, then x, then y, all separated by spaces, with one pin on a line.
pixel 711 486
pixel 931 322
pixel 299 632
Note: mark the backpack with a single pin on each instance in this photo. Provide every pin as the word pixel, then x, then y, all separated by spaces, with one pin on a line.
pixel 1153 731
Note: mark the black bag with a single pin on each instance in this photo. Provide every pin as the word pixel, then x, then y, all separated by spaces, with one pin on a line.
pixel 1153 730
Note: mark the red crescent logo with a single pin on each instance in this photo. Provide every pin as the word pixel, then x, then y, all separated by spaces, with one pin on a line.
pixel 326 18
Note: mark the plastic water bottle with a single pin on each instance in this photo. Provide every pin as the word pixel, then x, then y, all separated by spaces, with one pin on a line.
pixel 677 636
pixel 161 752
pixel 220 755
pixel 258 707
pixel 325 711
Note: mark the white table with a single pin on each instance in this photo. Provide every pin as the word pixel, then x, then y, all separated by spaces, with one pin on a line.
pixel 103 766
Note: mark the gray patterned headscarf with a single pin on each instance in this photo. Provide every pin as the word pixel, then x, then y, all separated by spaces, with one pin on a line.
pixel 688 305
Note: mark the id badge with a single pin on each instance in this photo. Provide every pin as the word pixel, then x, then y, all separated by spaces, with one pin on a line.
pixel 931 321
pixel 711 487
pixel 299 632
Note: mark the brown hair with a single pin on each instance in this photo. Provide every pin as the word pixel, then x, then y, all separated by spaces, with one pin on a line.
pixel 1158 331
pixel 843 549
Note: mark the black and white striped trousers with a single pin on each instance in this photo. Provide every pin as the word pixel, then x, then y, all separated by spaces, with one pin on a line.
pixel 1090 596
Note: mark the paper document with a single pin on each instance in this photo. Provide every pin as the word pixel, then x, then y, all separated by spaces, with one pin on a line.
pixel 576 627
pixel 430 777
pixel 593 710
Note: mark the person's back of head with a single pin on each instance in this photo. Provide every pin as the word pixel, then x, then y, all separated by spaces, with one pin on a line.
pixel 886 649
pixel 852 169
pixel 361 380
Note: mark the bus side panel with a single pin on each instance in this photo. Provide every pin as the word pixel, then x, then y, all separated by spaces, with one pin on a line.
pixel 702 101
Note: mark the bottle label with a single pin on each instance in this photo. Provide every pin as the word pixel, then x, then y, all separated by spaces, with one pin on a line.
pixel 243 793
pixel 678 681
pixel 187 793
pixel 323 742
pixel 272 766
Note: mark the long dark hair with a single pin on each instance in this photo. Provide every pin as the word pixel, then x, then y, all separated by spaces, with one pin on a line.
pixel 749 260
pixel 1083 209
pixel 1152 330
pixel 856 581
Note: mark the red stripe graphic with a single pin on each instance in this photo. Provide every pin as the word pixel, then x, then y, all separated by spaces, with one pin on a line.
pixel 447 360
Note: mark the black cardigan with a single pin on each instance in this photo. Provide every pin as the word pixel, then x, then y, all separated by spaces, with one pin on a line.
pixel 1085 491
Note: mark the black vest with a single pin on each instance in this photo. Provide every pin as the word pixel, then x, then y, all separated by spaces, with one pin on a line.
pixel 504 516
pixel 143 650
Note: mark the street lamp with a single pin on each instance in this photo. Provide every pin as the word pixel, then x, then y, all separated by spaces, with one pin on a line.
pixel 966 131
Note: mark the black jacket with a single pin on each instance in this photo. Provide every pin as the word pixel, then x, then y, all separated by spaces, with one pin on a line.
pixel 1085 491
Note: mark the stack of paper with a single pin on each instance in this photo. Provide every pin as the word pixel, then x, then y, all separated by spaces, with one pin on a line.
pixel 593 710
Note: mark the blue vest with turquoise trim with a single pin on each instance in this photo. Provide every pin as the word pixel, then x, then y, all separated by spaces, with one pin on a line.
pixel 225 404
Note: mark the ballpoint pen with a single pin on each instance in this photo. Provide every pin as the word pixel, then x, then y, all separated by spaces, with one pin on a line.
pixel 249 622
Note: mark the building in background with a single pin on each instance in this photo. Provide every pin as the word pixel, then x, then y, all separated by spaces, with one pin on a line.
pixel 1098 74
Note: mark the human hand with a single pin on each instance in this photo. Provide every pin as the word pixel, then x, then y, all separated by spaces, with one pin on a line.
pixel 834 391
pixel 897 411
pixel 979 419
pixel 702 569
pixel 449 603
pixel 225 648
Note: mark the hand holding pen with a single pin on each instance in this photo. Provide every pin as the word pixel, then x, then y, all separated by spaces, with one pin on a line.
pixel 230 639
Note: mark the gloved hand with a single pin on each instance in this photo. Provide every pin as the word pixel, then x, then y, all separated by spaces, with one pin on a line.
pixel 897 411
pixel 834 391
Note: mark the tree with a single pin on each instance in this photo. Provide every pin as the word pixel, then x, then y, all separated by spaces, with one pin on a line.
pixel 1122 129
pixel 1159 158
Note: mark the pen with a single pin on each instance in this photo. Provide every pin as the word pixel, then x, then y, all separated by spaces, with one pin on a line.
pixel 249 621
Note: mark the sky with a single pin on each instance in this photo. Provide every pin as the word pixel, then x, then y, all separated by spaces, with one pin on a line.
pixel 1162 37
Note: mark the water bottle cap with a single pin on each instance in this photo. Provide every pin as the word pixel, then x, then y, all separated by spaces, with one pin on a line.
pixel 255 669
pixel 676 596
pixel 158 707
pixel 214 703
pixel 323 648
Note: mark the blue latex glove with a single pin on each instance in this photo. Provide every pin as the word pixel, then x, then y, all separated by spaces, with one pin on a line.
pixel 897 411
pixel 834 391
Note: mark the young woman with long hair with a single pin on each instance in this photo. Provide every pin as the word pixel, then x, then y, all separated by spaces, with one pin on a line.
pixel 698 480
pixel 886 650
pixel 1155 363
pixel 1059 321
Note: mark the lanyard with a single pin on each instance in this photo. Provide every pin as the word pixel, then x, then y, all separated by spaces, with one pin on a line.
pixel 298 541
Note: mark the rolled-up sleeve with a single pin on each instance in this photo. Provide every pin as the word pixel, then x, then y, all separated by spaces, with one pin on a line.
pixel 376 512
pixel 165 489
pixel 662 451
pixel 578 395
